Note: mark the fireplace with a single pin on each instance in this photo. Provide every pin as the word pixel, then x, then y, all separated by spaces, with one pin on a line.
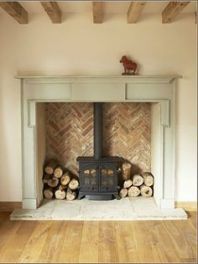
pixel 98 169
pixel 99 175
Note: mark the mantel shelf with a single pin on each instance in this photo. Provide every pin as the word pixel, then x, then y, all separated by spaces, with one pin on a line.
pixel 155 78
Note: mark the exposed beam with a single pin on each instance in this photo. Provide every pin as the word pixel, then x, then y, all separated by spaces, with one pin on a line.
pixel 53 11
pixel 98 12
pixel 135 11
pixel 15 10
pixel 172 10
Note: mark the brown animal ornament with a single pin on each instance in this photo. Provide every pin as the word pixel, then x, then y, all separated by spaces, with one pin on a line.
pixel 130 67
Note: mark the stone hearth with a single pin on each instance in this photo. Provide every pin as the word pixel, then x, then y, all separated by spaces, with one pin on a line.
pixel 127 209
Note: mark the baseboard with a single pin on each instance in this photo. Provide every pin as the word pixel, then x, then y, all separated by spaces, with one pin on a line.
pixel 188 206
pixel 9 206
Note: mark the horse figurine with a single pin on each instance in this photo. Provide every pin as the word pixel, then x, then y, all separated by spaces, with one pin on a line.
pixel 130 67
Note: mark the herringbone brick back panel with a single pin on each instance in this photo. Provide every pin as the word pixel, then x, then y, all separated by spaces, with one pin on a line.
pixel 69 132
pixel 126 132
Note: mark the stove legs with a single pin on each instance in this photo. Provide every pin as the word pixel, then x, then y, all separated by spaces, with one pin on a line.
pixel 99 196
pixel 117 196
pixel 80 196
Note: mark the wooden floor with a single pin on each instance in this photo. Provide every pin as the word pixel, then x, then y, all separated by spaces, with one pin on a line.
pixel 84 242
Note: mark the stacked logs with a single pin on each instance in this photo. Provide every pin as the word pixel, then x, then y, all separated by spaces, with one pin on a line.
pixel 59 183
pixel 136 185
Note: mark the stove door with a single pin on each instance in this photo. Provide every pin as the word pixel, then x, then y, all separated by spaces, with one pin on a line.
pixel 89 177
pixel 108 177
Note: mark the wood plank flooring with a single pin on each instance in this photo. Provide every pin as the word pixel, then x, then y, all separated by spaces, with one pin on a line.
pixel 98 242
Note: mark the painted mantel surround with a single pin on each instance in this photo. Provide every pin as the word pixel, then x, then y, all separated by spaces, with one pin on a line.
pixel 155 89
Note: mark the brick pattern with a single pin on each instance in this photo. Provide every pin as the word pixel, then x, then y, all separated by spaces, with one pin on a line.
pixel 127 132
pixel 69 132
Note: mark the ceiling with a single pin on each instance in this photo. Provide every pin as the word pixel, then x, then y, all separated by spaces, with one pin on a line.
pixel 110 7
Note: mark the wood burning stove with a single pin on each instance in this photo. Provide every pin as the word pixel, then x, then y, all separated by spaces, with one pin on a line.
pixel 99 175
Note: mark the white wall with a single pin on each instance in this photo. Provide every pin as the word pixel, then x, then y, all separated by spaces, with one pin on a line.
pixel 80 47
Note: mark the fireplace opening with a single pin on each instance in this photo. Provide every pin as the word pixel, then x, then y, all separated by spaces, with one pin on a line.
pixel 94 143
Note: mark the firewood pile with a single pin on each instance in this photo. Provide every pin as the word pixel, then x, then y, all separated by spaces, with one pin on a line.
pixel 59 183
pixel 136 185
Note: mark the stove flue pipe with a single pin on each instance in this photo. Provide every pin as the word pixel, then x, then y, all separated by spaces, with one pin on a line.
pixel 98 130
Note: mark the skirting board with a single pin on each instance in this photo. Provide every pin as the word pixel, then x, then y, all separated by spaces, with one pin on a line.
pixel 10 206
pixel 188 206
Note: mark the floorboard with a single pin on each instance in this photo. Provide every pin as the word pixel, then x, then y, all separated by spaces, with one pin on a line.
pixel 98 242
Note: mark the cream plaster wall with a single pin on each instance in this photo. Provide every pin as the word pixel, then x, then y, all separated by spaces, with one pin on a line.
pixel 77 46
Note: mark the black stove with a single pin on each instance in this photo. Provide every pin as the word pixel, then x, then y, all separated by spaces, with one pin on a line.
pixel 98 174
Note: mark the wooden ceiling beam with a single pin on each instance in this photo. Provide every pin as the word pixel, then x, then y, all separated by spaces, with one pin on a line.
pixel 172 10
pixel 135 11
pixel 98 12
pixel 15 10
pixel 53 11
